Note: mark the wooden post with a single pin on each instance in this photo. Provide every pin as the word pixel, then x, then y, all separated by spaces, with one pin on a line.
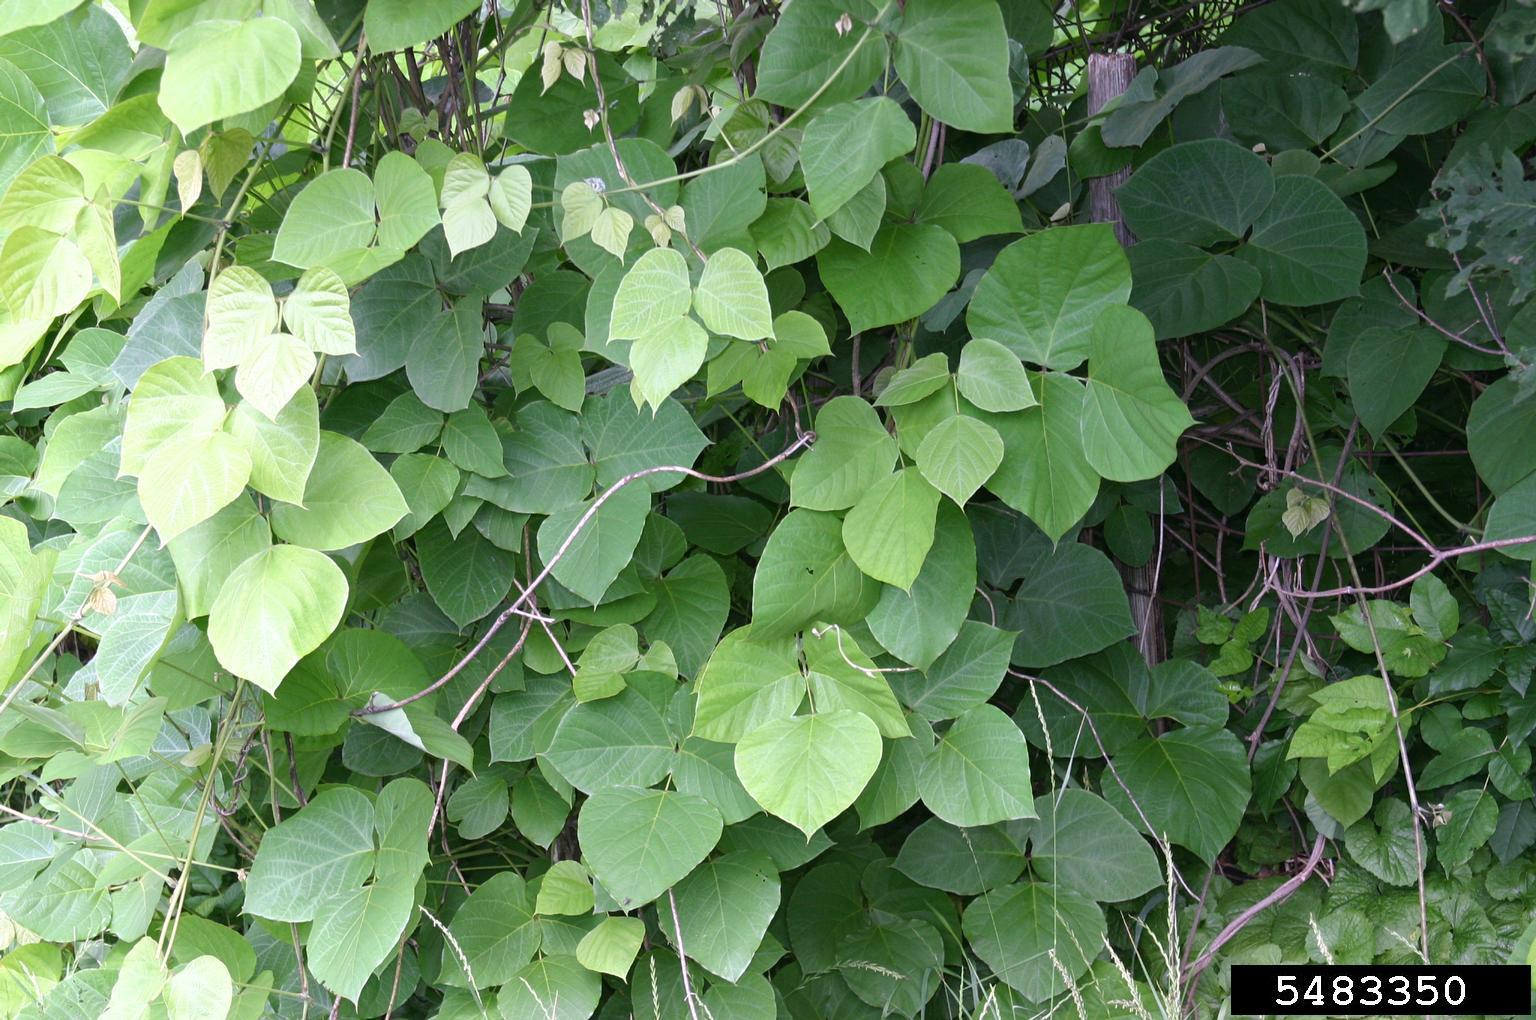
pixel 1109 75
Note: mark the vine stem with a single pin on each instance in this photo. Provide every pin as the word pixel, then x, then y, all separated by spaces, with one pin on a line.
pixel 682 958
pixel 804 440
pixel 1279 893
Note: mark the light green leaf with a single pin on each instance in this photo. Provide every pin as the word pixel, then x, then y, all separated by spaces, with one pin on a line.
pixel 1132 419
pixel 580 207
pixel 199 990
pixel 428 484
pixel 847 144
pixel 917 626
pixel 173 399
pixel 396 24
pixel 282 451
pixel 216 69
pixel 723 910
pixel 272 371
pixel 496 930
pixel 925 376
pixel 1043 294
pixel 732 298
pixel 907 269
pixel 805 574
pixel 618 741
pixel 979 772
pixel 746 682
pixel 325 848
pixel 553 987
pixel 594 556
pixel 24 577
pixel 958 456
pixel 241 312
pixel 471 442
pixel 667 357
pixel 24 125
pixel 809 769
pixel 355 931
pixel 840 675
pixel 639 843
pixel 207 554
pixel 890 529
pixel 274 609
pixel 610 231
pixel 467 223
pixel 610 948
pixel 406 199
pixel 319 312
pixel 654 293
pixel 189 479
pixel 953 56
pixel 968 201
pixel 1045 473
pixel 992 377
pixel 511 197
pixel 349 499
pixel 332 216
pixel 852 452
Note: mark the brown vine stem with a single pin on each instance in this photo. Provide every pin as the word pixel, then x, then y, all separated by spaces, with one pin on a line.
pixel 1279 893
pixel 804 440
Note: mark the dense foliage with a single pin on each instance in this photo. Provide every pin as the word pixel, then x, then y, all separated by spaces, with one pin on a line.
pixel 677 510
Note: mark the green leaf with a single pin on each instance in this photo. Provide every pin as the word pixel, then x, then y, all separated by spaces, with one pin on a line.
pixel 624 440
pixel 331 217
pixel 274 609
pixel 1384 844
pixel 806 574
pixel 356 931
pixel 77 62
pixel 349 499
pixel 723 910
pixel 319 312
pixel 917 626
pixel 788 231
pixel 324 849
pixel 667 357
pixel 405 426
pixel 808 769
pixel 1132 419
pixel 1388 371
pixel 466 575
pixel 1080 842
pixel 553 986
pixel 653 294
pixel 23 122
pixel 1499 412
pixel 216 69
pixel 847 144
pixel 406 199
pixel 963 861
pixel 471 442
pixel 1513 516
pixel 748 681
pixel 992 377
pixel 890 529
pixel 968 201
pixel 925 376
pixel 1026 931
pixel 1192 785
pixel 282 451
pixel 805 55
pixel 1184 290
pixel 640 843
pixel 511 197
pixel 199 990
pixel 610 231
pixel 953 57
pixel 1043 294
pixel 544 453
pixel 979 772
pixel 732 298
pixel 1472 816
pixel 594 556
pixel 396 24
pixel 968 672
pixel 1045 473
pixel 852 452
pixel 908 268
pixel 428 484
pixel 618 741
pixel 443 364
pixel 1308 247
pixel 1204 192
pixel 496 930
pixel 840 675
pixel 174 399
pixel 24 577
pixel 1071 603
pixel 692 603
pixel 959 454
pixel 189 479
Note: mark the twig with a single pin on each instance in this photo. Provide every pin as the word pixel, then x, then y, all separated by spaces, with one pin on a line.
pixel 682 959
pixel 1279 894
